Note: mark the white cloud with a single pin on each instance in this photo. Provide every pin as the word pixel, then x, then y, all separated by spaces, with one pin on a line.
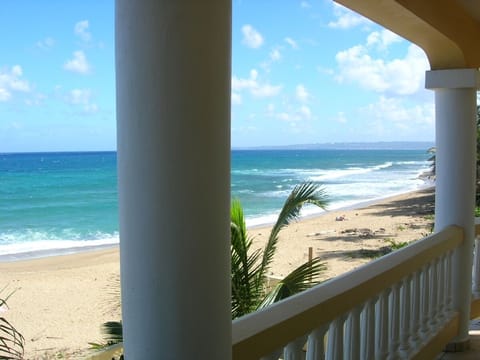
pixel 81 30
pixel 398 76
pixel 382 39
pixel 36 99
pixel 236 98
pixel 266 90
pixel 394 117
pixel 46 43
pixel 291 42
pixel 78 63
pixel 302 93
pixel 82 98
pixel 346 18
pixel 324 70
pixel 10 81
pixel 275 55
pixel 255 87
pixel 305 5
pixel 240 84
pixel 4 94
pixel 305 112
pixel 289 113
pixel 251 37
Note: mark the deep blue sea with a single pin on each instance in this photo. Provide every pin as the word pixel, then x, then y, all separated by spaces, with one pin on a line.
pixel 61 202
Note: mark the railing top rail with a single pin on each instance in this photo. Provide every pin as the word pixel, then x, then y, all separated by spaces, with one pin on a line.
pixel 260 333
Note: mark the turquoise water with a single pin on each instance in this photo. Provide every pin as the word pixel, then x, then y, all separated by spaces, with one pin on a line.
pixel 60 202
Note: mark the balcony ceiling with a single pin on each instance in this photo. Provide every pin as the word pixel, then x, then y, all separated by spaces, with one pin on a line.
pixel 447 30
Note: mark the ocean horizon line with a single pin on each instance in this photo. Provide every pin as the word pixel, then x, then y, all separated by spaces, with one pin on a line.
pixel 356 145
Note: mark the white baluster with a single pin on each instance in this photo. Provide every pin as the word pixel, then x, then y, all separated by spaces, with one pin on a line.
pixel 416 306
pixel 316 343
pixel 406 313
pixel 394 323
pixel 448 284
pixel 476 267
pixel 368 330
pixel 294 349
pixel 433 313
pixel 335 339
pixel 382 326
pixel 352 334
pixel 424 312
pixel 441 289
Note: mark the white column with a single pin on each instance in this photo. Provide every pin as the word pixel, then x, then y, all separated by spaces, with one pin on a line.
pixel 173 118
pixel 455 108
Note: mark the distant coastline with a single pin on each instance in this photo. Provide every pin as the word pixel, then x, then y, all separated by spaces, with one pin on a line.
pixel 381 145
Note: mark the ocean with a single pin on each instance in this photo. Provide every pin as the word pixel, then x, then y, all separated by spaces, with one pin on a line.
pixel 55 203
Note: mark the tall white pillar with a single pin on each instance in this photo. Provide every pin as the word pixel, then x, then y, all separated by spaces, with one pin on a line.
pixel 173 118
pixel 455 108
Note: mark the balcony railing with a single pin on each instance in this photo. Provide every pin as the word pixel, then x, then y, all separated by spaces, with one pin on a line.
pixel 398 306
pixel 392 307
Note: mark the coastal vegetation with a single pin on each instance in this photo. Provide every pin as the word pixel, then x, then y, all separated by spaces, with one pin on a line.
pixel 11 340
pixel 251 289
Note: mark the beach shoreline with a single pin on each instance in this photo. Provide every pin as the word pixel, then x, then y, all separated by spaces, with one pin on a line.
pixel 39 254
pixel 60 301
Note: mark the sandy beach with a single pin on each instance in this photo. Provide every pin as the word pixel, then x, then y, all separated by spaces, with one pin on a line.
pixel 60 302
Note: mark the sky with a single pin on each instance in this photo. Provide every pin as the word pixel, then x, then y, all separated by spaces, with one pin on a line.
pixel 303 72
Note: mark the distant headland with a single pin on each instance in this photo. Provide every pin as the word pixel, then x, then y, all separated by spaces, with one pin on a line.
pixel 381 145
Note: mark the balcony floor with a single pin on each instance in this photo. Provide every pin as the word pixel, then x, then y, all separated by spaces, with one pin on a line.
pixel 474 352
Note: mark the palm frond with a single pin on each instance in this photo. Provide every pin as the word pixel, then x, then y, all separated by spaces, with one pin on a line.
pixel 305 193
pixel 245 266
pixel 302 278
pixel 12 341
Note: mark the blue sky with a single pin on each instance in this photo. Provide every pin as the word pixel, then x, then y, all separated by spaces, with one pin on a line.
pixel 302 72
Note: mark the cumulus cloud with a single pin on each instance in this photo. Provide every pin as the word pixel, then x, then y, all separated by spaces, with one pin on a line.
pixel 289 113
pixel 83 99
pixel 254 86
pixel 395 117
pixel 46 43
pixel 382 39
pixel 236 98
pixel 11 81
pixel 403 76
pixel 251 37
pixel 291 42
pixel 305 112
pixel 266 90
pixel 301 93
pixel 346 18
pixel 275 55
pixel 78 63
pixel 81 30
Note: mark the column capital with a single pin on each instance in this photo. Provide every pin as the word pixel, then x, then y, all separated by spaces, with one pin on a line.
pixel 452 79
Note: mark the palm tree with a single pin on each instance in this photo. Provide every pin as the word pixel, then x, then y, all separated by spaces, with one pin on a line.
pixel 249 269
